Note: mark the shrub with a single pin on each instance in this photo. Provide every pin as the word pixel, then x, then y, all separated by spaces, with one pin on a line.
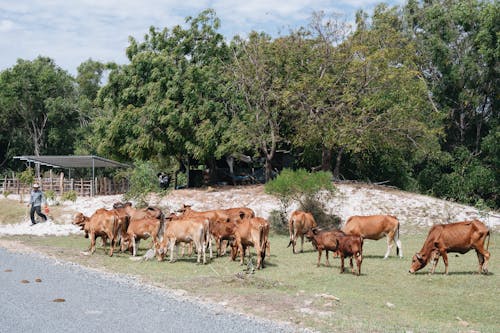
pixel 142 181
pixel 70 195
pixel 27 177
pixel 6 193
pixel 304 187
pixel 50 194
pixel 318 210
pixel 278 222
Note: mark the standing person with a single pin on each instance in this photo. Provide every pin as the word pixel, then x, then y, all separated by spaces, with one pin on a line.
pixel 36 199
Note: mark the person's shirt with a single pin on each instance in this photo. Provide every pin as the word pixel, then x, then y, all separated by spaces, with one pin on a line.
pixel 37 198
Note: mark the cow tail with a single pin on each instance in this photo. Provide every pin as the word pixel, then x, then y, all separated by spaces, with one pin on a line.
pixel 488 244
pixel 162 227
pixel 290 229
pixel 397 233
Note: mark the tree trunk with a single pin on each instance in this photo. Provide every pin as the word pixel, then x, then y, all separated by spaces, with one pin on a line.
pixel 326 159
pixel 336 171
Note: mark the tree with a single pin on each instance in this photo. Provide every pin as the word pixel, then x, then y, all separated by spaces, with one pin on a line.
pixel 39 97
pixel 167 101
pixel 260 76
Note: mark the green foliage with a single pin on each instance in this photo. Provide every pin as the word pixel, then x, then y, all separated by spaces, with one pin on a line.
pixel 27 177
pixel 300 186
pixel 70 196
pixel 50 194
pixel 142 181
pixel 318 210
pixel 6 193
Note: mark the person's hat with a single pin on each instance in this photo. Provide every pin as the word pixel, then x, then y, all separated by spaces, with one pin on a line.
pixel 36 185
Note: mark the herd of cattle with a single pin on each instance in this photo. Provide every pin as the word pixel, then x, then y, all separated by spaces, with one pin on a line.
pixel 240 229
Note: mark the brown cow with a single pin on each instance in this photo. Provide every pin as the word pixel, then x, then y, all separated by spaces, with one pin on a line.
pixel 336 241
pixel 376 227
pixel 458 237
pixel 128 214
pixel 103 223
pixel 188 229
pixel 299 224
pixel 142 228
pixel 251 232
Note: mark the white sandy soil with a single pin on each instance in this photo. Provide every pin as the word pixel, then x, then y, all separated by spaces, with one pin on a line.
pixel 418 211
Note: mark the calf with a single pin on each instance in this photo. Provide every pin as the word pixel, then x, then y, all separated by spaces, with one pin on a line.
pixel 335 240
pixel 250 232
pixel 189 229
pixel 142 229
pixel 299 224
pixel 458 237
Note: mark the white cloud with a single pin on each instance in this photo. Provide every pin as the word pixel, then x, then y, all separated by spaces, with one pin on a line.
pixel 6 25
pixel 73 31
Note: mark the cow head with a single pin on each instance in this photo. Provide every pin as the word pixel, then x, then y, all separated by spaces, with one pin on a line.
pixel 126 244
pixel 417 263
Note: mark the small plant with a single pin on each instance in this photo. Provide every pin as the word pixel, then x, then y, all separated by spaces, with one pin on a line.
pixel 142 180
pixel 27 177
pixel 70 196
pixel 50 194
pixel 6 194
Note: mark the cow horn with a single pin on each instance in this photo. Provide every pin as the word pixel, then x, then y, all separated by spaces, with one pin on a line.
pixel 419 257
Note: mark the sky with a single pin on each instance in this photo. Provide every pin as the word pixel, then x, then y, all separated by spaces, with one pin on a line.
pixel 73 31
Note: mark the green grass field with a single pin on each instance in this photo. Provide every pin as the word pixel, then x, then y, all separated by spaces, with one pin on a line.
pixel 385 298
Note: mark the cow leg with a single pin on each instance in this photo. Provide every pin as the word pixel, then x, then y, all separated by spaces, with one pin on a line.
pixel 172 249
pixel 389 246
pixel 92 242
pixel 341 263
pixel 319 256
pixel 302 243
pixel 359 259
pixel 445 260
pixel 111 244
pixel 434 261
pixel 327 259
pixel 134 245
pixel 483 257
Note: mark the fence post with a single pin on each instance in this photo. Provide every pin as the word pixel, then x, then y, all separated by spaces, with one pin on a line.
pixel 61 183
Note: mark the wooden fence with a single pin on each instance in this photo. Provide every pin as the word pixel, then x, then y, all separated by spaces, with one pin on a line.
pixel 61 185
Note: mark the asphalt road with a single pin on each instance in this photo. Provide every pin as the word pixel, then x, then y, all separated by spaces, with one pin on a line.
pixel 95 302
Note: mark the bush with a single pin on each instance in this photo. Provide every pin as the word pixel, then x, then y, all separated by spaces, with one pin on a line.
pixel 27 177
pixel 50 194
pixel 318 210
pixel 70 195
pixel 142 181
pixel 309 189
pixel 6 193
pixel 278 222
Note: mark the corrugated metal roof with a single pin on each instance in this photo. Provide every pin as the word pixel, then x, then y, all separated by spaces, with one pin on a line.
pixel 77 161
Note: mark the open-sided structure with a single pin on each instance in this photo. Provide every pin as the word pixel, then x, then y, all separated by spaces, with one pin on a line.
pixel 76 161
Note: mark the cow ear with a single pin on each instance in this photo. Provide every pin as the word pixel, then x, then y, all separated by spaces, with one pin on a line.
pixel 419 257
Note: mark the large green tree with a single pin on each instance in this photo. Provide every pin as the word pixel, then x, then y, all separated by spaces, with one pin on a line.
pixel 38 98
pixel 167 102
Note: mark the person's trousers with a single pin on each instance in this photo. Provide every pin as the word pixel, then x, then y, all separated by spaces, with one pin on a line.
pixel 38 210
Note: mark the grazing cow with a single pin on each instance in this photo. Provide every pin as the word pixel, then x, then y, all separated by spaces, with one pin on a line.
pixel 188 229
pixel 103 223
pixel 142 228
pixel 299 224
pixel 375 227
pixel 335 240
pixel 460 237
pixel 251 232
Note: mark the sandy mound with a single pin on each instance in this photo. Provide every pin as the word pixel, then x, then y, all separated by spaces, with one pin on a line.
pixel 417 211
